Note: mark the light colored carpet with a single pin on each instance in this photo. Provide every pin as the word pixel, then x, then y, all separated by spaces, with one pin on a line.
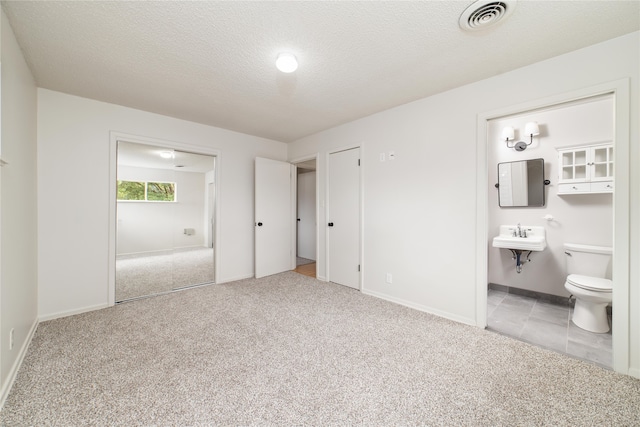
pixel 290 350
pixel 150 275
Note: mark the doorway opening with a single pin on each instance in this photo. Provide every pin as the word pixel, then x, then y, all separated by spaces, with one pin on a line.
pixel 532 304
pixel 306 218
pixel 165 220
pixel 620 212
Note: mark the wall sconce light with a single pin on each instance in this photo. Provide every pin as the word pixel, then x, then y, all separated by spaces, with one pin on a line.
pixel 508 134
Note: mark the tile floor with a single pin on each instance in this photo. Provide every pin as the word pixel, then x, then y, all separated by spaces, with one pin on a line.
pixel 546 324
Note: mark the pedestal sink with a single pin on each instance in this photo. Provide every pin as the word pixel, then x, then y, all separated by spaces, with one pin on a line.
pixel 519 239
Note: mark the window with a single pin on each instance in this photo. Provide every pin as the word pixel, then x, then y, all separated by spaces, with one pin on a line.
pixel 147 191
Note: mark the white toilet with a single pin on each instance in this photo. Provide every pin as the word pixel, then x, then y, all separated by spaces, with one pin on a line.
pixel 589 281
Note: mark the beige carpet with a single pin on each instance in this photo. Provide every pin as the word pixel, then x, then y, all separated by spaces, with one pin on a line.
pixel 290 350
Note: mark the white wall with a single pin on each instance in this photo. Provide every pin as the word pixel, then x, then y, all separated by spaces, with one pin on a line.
pixel 420 209
pixel 585 219
pixel 74 150
pixel 18 227
pixel 159 226
pixel 307 215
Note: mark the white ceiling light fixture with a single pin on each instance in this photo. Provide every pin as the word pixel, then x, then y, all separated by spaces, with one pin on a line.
pixel 287 63
pixel 485 13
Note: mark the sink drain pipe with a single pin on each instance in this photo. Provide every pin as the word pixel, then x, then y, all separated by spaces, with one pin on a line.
pixel 517 255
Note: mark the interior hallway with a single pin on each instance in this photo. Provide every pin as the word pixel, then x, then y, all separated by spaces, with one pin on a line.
pixel 306 267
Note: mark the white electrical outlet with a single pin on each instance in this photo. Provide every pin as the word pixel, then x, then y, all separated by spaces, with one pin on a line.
pixel 382 157
pixel 11 334
pixel 389 278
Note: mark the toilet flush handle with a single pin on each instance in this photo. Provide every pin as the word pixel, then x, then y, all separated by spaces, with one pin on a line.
pixel 568 253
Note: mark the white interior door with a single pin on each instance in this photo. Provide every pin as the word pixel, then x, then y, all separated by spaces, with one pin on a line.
pixel 344 218
pixel 307 215
pixel 273 221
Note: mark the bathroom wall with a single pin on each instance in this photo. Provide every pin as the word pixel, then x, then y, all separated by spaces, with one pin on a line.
pixel 586 219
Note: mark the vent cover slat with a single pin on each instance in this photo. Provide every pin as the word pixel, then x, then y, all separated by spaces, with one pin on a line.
pixel 485 13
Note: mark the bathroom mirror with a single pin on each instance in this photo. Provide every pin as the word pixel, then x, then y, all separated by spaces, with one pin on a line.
pixel 521 184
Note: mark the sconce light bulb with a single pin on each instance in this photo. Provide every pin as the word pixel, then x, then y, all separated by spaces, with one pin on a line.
pixel 531 129
pixel 508 133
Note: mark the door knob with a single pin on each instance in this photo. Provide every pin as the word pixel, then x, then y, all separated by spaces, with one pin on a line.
pixel 259 224
pixel 330 224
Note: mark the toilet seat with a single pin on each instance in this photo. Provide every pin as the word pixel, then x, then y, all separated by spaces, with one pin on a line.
pixel 594 284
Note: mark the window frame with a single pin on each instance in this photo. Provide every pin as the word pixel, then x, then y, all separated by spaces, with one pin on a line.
pixel 146 191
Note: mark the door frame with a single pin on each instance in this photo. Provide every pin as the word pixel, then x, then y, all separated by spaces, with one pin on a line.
pixel 114 137
pixel 211 213
pixel 361 216
pixel 621 214
pixel 294 206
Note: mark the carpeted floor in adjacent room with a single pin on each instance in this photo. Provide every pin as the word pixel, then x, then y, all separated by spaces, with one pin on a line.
pixel 140 276
pixel 291 350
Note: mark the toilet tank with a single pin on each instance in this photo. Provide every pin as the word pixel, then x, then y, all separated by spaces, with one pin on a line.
pixel 594 261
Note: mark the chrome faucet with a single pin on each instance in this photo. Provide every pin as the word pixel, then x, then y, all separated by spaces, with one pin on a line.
pixel 519 231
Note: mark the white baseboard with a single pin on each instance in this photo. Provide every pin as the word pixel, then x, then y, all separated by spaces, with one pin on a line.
pixel 420 307
pixel 634 372
pixel 169 251
pixel 60 314
pixel 13 372
pixel 235 279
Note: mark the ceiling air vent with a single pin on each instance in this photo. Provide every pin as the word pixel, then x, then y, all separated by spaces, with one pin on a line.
pixel 485 13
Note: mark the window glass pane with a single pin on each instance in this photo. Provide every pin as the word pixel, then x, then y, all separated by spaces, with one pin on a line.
pixel 581 157
pixel 161 191
pixel 600 155
pixel 601 170
pixel 130 190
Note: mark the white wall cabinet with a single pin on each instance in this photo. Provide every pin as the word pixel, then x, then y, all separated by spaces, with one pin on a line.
pixel 586 170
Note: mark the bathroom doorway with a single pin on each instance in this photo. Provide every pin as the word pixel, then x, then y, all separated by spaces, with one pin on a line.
pixel 534 305
pixel 601 214
pixel 165 220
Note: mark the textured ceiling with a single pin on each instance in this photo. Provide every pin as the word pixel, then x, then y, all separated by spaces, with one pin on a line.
pixel 213 62
pixel 149 156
